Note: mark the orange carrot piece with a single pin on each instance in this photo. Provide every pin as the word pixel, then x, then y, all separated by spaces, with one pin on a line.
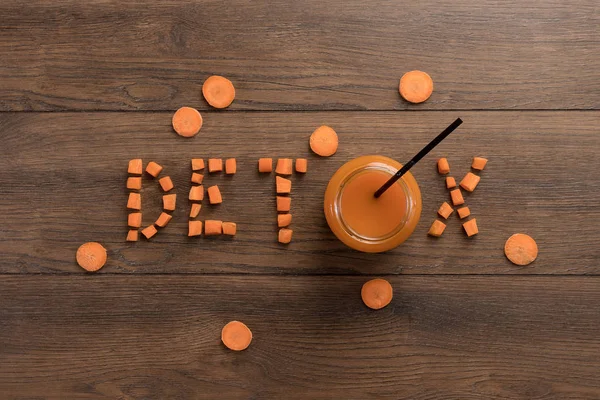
pixel 91 256
pixel 212 227
pixel 437 228
pixel 163 219
pixel 471 227
pixel 194 228
pixel 197 164
pixel 187 121
pixel 463 212
pixel 229 228
pixel 132 235
pixel 285 235
pixel 284 203
pixel 153 168
pixel 149 231
pixel 166 183
pixel 301 165
pixel 230 166
pixel 479 163
pixel 457 197
pixel 521 249
pixel 169 201
pixel 284 220
pixel 195 210
pixel 236 336
pixel 134 219
pixel 470 181
pixel 445 210
pixel 265 165
pixel 214 195
pixel 135 166
pixel 218 91
pixel 324 141
pixel 134 183
pixel 377 293
pixel 283 185
pixel 215 165
pixel 443 166
pixel 196 193
pixel 197 178
pixel 450 182
pixel 134 201
pixel 415 86
pixel 284 166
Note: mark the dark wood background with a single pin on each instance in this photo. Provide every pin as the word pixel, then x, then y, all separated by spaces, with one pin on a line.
pixel 85 86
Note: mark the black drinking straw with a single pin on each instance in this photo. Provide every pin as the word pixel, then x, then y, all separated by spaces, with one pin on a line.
pixel 419 155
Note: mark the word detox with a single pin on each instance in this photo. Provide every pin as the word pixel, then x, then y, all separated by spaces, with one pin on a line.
pixel 196 227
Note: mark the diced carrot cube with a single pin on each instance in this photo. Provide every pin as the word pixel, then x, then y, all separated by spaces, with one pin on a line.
pixel 149 231
pixel 214 195
pixel 457 197
pixel 194 228
pixel 134 219
pixel 265 165
pixel 134 183
pixel 134 201
pixel 135 166
pixel 437 228
pixel 285 235
pixel 443 166
pixel 163 219
pixel 229 228
pixel 166 183
pixel 215 165
pixel 471 227
pixel 463 212
pixel 284 220
pixel 196 193
pixel 195 210
pixel 284 166
pixel 445 210
pixel 169 201
pixel 197 178
pixel 197 164
pixel 450 182
pixel 132 235
pixel 301 165
pixel 284 203
pixel 153 169
pixel 470 181
pixel 213 227
pixel 479 163
pixel 230 166
pixel 283 185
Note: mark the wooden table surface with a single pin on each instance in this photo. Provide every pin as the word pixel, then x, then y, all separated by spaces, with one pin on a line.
pixel 86 86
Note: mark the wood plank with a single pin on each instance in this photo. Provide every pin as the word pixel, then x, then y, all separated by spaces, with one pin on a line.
pixel 63 183
pixel 282 55
pixel 158 337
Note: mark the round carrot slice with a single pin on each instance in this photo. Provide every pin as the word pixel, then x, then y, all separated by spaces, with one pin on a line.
pixel 376 293
pixel 218 91
pixel 521 249
pixel 324 141
pixel 236 336
pixel 187 121
pixel 91 256
pixel 416 86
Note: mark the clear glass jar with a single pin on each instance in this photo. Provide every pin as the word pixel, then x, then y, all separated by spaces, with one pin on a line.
pixel 363 222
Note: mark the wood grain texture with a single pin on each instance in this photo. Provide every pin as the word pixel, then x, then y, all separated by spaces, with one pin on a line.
pixel 299 55
pixel 63 183
pixel 144 337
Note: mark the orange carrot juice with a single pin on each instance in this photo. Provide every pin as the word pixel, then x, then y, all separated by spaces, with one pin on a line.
pixel 360 220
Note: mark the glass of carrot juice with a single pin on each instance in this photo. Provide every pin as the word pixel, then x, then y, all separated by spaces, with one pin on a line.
pixel 360 220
